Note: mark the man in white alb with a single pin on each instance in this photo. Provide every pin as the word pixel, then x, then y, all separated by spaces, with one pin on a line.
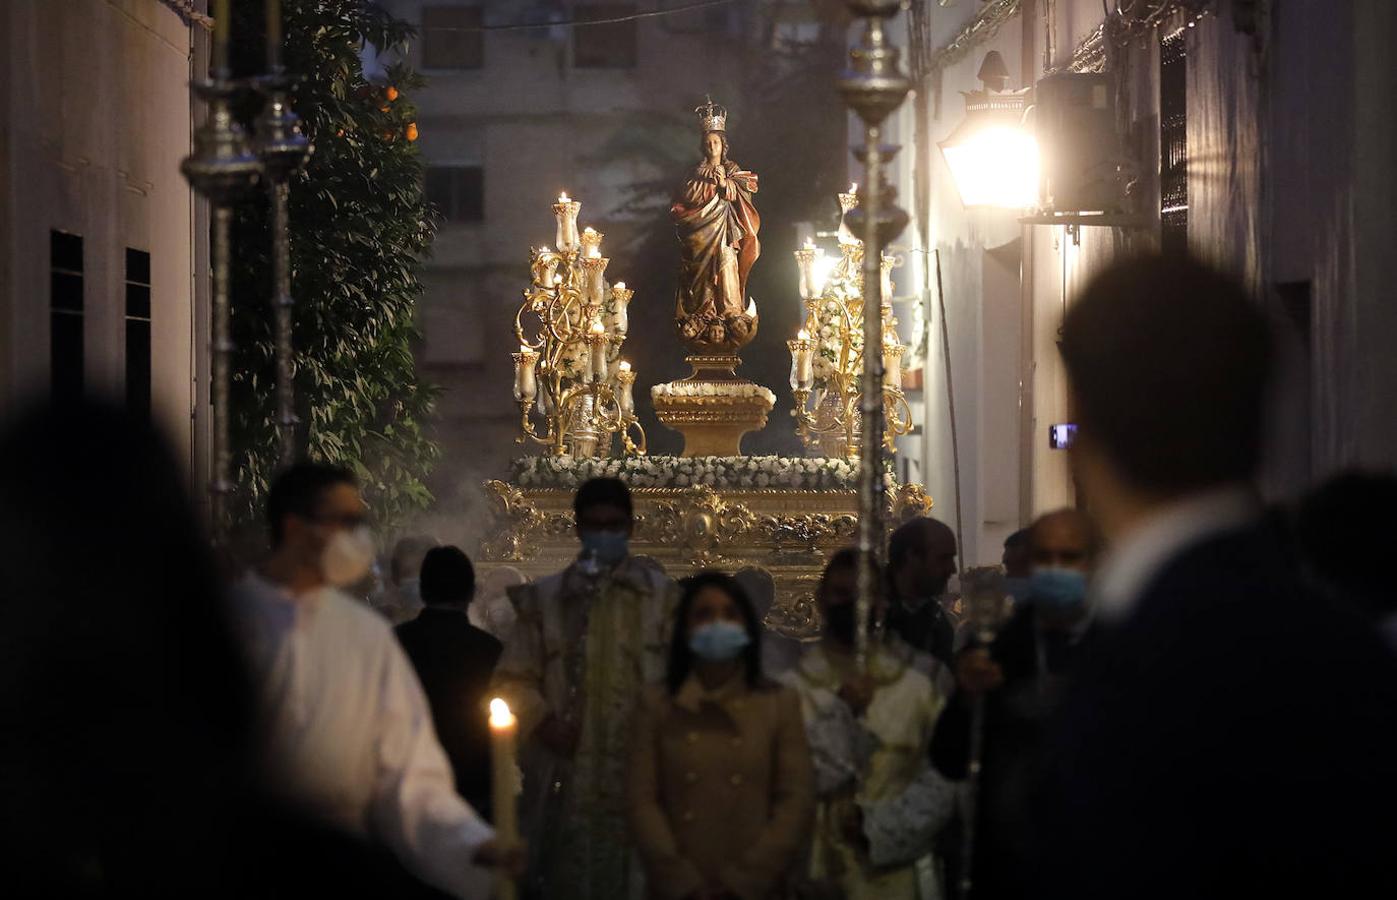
pixel 350 732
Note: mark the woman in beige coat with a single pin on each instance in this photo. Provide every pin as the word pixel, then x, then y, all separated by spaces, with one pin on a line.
pixel 721 790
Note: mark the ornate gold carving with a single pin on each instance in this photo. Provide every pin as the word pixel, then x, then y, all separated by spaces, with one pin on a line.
pixel 703 524
pixel 787 533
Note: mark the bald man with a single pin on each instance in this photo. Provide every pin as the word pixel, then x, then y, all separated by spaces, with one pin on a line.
pixel 1021 675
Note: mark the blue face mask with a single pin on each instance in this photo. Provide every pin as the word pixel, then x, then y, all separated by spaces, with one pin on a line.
pixel 719 641
pixel 607 547
pixel 1058 590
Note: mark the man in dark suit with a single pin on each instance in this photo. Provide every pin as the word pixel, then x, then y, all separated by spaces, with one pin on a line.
pixel 1021 676
pixel 1223 737
pixel 455 661
pixel 921 560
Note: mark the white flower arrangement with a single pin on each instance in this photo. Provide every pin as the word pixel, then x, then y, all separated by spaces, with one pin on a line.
pixel 743 390
pixel 784 473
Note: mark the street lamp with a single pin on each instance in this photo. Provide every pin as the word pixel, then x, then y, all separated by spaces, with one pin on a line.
pixel 992 156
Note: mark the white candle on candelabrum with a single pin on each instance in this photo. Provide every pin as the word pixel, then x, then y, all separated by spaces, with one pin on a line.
pixel 525 384
pixel 892 367
pixel 566 209
pixel 598 285
pixel 625 381
pixel 504 732
pixel 599 345
pixel 805 360
pixel 623 301
pixel 887 280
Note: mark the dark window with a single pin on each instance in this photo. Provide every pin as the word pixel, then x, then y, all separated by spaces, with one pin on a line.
pixel 1173 144
pixel 458 192
pixel 451 38
pixel 65 316
pixel 608 45
pixel 138 331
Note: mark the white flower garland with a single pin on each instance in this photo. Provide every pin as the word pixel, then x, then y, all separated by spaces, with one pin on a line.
pixel 784 473
pixel 711 389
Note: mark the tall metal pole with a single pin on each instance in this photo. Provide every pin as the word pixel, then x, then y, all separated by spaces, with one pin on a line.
pixel 221 168
pixel 873 87
pixel 284 150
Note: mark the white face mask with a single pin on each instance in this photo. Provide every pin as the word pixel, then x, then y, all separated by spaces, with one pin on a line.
pixel 347 556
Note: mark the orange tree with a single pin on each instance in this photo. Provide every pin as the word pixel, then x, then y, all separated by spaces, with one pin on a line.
pixel 359 228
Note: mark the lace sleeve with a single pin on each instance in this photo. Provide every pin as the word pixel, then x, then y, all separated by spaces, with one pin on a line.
pixel 900 829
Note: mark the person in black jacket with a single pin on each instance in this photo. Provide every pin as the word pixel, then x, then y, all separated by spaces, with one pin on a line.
pixel 1227 733
pixel 1021 677
pixel 455 661
pixel 921 561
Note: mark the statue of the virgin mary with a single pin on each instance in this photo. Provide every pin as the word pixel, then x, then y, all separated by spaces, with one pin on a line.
pixel 717 227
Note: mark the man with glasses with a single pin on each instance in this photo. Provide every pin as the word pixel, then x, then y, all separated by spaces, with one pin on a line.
pixel 351 738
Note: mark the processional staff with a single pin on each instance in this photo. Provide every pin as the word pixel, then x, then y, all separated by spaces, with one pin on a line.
pixel 223 168
pixel 873 87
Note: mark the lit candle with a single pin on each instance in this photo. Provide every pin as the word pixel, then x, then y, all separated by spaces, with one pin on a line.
pixel 273 35
pixel 504 731
pixel 622 295
pixel 566 211
pixel 525 382
pixel 591 242
pixel 594 267
pixel 854 187
pixel 625 383
pixel 222 28
pixel 597 342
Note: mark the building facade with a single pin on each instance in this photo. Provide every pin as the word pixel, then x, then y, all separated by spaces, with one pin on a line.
pixel 101 254
pixel 1258 139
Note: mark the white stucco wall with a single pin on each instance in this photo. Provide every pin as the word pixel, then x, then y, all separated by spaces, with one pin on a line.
pixel 96 118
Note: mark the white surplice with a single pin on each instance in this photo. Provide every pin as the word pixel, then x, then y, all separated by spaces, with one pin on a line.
pixel 351 737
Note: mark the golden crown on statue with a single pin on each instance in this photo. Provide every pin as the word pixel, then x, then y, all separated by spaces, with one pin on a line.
pixel 712 117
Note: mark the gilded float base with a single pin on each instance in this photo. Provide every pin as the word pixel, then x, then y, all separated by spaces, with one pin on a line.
pixel 785 534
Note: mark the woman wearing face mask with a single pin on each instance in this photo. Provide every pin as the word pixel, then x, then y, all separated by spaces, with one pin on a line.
pixel 721 789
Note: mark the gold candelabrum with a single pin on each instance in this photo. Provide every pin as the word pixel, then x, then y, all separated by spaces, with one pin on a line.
pixel 568 371
pixel 827 354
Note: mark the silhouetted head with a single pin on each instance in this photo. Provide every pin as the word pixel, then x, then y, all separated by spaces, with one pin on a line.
pixel 1168 361
pixel 448 578
pixel 921 557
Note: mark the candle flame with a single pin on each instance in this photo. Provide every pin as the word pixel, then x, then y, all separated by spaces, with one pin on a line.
pixel 809 244
pixel 625 366
pixel 803 335
pixel 523 348
pixel 563 197
pixel 853 188
pixel 589 230
pixel 619 286
pixel 500 716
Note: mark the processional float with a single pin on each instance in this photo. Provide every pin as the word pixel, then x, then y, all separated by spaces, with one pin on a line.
pixel 712 505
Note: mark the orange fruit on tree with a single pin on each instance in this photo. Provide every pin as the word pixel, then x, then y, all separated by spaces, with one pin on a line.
pixel 412 131
pixel 391 93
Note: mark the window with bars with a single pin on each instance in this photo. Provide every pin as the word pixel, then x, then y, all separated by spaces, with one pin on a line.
pixel 609 44
pixel 451 39
pixel 1173 144
pixel 138 331
pixel 65 316
pixel 458 192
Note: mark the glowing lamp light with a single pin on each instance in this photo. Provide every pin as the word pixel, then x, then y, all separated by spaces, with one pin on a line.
pixel 803 335
pixel 854 187
pixel 625 366
pixel 820 271
pixel 562 198
pixel 992 156
pixel 995 166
